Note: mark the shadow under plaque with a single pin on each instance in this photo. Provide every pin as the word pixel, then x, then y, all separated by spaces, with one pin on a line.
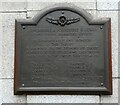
pixel 63 50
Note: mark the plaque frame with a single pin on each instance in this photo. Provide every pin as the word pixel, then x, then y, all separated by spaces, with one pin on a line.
pixel 63 90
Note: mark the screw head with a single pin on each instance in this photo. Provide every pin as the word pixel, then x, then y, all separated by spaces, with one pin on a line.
pixel 23 27
pixel 101 27
pixel 101 84
pixel 23 84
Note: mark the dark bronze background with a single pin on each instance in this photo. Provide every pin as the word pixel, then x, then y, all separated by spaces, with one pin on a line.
pixel 63 51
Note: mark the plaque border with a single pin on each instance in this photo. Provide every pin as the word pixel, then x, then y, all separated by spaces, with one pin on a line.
pixel 64 90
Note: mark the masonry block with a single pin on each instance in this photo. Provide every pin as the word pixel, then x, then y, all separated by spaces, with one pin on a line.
pixel 13 6
pixel 108 5
pixel 62 99
pixel 35 5
pixel 7 94
pixel 0 45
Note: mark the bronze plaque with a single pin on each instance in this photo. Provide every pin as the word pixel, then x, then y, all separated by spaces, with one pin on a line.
pixel 63 50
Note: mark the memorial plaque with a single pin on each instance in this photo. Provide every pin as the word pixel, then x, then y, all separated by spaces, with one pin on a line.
pixel 63 50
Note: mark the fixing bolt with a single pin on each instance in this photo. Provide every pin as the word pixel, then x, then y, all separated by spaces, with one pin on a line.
pixel 23 84
pixel 101 84
pixel 101 27
pixel 23 27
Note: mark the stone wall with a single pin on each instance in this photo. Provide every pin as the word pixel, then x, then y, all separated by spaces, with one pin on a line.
pixel 9 11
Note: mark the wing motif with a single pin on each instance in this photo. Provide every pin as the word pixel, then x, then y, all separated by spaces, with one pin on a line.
pixel 70 21
pixel 52 20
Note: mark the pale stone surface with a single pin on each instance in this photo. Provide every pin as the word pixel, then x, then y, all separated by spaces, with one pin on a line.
pixel 114 28
pixel 7 94
pixel 31 14
pixel 119 44
pixel 111 98
pixel 0 45
pixel 108 5
pixel 0 5
pixel 38 5
pixel 0 92
pixel 62 99
pixel 8 29
pixel 119 90
pixel 119 64
pixel 13 6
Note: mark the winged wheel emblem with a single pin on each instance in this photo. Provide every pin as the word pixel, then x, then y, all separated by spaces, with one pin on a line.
pixel 62 20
